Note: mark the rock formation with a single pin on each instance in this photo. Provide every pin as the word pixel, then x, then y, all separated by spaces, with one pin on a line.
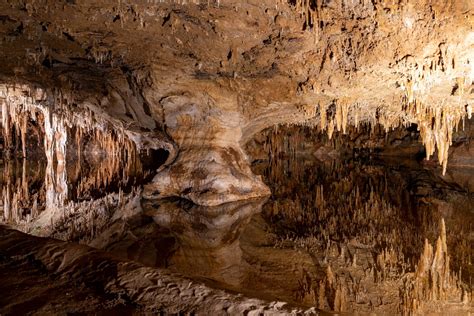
pixel 129 102
pixel 210 74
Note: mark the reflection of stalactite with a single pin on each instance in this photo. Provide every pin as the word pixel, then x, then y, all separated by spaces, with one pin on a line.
pixel 16 197
pixel 432 280
pixel 121 164
pixel 57 125
pixel 55 147
pixel 6 196
pixel 364 225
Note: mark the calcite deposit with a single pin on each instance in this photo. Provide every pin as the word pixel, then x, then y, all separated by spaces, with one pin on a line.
pixel 210 74
pixel 108 105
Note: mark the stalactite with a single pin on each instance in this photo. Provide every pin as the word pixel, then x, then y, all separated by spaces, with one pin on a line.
pixel 330 128
pixel 57 127
pixel 338 116
pixel 323 116
pixel 436 122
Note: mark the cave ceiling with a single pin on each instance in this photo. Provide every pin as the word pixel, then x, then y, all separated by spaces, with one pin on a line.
pixel 202 77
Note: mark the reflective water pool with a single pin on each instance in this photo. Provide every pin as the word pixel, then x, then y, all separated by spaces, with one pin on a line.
pixel 365 235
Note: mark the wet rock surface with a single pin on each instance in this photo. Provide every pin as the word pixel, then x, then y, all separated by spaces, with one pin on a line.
pixel 79 279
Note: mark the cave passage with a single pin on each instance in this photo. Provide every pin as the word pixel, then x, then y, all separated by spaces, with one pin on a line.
pixel 236 157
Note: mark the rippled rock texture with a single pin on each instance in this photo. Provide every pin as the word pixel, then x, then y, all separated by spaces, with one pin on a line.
pixel 56 277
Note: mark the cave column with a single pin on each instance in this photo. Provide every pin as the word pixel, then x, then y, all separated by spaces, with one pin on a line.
pixel 211 168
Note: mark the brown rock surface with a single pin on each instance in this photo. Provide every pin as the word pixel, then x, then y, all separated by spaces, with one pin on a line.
pixel 192 85
pixel 211 74
pixel 80 279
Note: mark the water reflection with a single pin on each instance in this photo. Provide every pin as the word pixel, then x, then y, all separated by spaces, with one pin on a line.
pixel 228 246
pixel 20 185
pixel 206 241
pixel 36 193
pixel 390 233
pixel 366 223
pixel 345 235
pixel 342 235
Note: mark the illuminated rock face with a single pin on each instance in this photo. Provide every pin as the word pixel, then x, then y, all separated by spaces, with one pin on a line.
pixel 103 82
pixel 199 79
pixel 211 168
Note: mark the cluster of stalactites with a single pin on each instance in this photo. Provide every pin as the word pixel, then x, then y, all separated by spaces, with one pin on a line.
pixel 20 105
pixel 15 117
pixel 309 10
pixel 18 109
pixel 436 126
pixel 436 123
pixel 338 121
pixel 437 87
